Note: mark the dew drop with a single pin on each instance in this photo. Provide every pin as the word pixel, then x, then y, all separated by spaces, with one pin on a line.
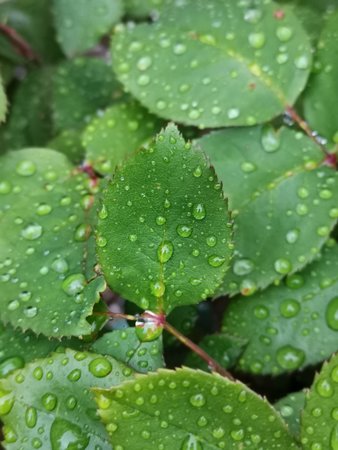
pixel 290 358
pixel 289 308
pixel 261 312
pixel 74 284
pixel 302 62
pixel 11 364
pixel 43 209
pixel 30 311
pixel 292 236
pixel 211 241
pixel 331 314
pixel 191 442
pixel 66 435
pixel 334 438
pixel 284 34
pixel 216 261
pixel 197 400
pixel 165 251
pixel 197 172
pixel 5 187
pixel 26 168
pixel 184 231
pixel 60 265
pixel 256 40
pixel 6 402
pixel 49 401
pixel 144 63
pixel 160 220
pixel 270 139
pixel 243 267
pixel 32 231
pixel 233 113
pixel 248 167
pixel 199 211
pixel 179 49
pixel 31 417
pixel 148 330
pixel 100 367
pixel 324 388
pixel 282 266
pixel 157 288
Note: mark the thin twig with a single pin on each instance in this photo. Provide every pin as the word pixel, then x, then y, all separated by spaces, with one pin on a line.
pixel 305 127
pixel 22 47
pixel 200 352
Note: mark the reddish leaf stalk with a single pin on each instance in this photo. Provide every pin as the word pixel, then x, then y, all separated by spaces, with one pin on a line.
pixel 161 319
pixel 18 42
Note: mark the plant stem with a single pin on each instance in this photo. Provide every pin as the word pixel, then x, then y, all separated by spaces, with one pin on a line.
pixel 305 127
pixel 116 315
pixel 19 43
pixel 214 366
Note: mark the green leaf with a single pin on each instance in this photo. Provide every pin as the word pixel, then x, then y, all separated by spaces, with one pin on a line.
pixel 189 409
pixel 3 102
pixel 81 24
pixel 80 88
pixel 32 19
pixel 119 132
pixel 290 408
pixel 164 241
pixel 46 247
pixel 292 325
pixel 18 348
pixel 225 349
pixel 30 120
pixel 282 202
pixel 319 103
pixel 319 428
pixel 69 142
pixel 125 346
pixel 215 63
pixel 49 404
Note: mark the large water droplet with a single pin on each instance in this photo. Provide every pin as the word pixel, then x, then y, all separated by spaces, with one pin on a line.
pixel 256 40
pixel 25 168
pixel 144 63
pixel 11 364
pixel 191 442
pixel 32 231
pixel 60 265
pixel 74 284
pixel 49 401
pixel 289 308
pixel 324 388
pixel 284 34
pixel 165 251
pixel 148 330
pixel 334 438
pixel 282 266
pixel 31 417
pixel 290 358
pixel 197 400
pixel 216 261
pixel 157 288
pixel 270 139
pixel 100 367
pixel 65 435
pixel 243 267
pixel 331 314
pixel 199 211
pixel 184 231
pixel 292 236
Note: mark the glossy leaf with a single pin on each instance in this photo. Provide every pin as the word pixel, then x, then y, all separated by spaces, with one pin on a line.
pixel 3 102
pixel 49 404
pixel 69 142
pixel 189 409
pixel 290 408
pixel 276 189
pixel 292 325
pixel 125 346
pixel 211 63
pixel 30 119
pixel 225 349
pixel 319 428
pixel 46 247
pixel 32 20
pixel 164 241
pixel 319 103
pixel 81 24
pixel 119 132
pixel 80 88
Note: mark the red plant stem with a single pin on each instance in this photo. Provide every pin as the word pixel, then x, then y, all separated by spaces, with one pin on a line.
pixel 305 127
pixel 19 43
pixel 200 352
pixel 116 315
